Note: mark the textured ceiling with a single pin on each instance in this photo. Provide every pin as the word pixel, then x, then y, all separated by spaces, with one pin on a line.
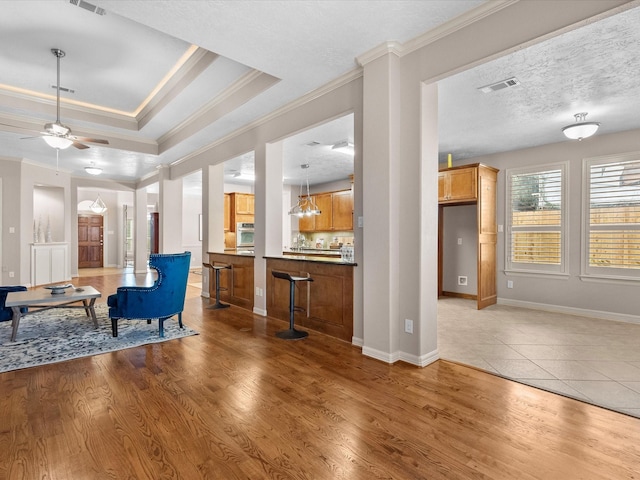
pixel 269 53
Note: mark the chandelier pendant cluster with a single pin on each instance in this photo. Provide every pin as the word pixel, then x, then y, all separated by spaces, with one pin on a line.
pixel 306 206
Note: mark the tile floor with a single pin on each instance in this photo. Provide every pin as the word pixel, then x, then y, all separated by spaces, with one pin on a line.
pixel 593 360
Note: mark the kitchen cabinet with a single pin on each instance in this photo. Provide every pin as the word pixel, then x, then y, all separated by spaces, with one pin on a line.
pixel 465 185
pixel 242 209
pixel 49 263
pixel 457 185
pixel 236 282
pixel 336 213
pixel 327 301
pixel 342 213
pixel 227 212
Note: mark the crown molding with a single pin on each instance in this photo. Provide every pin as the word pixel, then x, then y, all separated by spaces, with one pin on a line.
pixel 300 101
pixel 380 51
pixel 242 90
pixel 441 31
pixel 197 63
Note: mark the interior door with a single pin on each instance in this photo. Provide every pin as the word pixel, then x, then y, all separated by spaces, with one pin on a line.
pixel 90 250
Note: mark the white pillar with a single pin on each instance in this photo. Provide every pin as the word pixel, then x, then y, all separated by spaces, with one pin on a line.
pixel 140 235
pixel 212 217
pixel 170 210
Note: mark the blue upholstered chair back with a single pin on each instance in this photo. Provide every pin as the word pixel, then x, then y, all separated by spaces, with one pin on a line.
pixel 162 300
pixel 5 312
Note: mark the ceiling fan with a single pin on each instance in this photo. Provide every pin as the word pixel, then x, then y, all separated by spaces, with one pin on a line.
pixel 58 135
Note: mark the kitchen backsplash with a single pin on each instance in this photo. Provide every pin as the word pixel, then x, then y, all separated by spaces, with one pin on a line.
pixel 322 239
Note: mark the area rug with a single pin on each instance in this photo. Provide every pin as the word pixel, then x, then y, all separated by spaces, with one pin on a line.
pixel 63 334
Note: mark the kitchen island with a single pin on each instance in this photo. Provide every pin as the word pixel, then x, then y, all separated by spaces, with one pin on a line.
pixel 328 300
pixel 236 282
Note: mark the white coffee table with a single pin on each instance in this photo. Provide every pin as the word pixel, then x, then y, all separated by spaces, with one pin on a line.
pixel 42 299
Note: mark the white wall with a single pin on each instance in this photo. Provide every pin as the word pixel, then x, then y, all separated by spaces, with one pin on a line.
pixel 460 222
pixel 617 300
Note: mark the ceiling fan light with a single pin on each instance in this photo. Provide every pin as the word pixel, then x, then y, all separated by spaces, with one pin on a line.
pixel 580 129
pixel 93 170
pixel 57 142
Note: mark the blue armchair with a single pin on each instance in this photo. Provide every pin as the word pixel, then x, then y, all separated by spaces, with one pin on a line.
pixel 5 312
pixel 162 300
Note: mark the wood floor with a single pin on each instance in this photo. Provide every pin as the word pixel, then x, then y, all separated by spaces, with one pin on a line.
pixel 237 403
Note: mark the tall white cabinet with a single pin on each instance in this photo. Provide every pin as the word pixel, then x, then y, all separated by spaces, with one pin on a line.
pixel 49 263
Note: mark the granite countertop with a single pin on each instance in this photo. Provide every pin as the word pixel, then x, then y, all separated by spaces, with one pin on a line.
pixel 312 258
pixel 237 253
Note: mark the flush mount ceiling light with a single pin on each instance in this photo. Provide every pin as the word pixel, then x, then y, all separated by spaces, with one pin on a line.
pixel 305 207
pixel 580 129
pixel 344 147
pixel 98 206
pixel 93 170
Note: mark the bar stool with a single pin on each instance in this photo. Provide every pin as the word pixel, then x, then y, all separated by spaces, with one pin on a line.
pixel 292 333
pixel 217 269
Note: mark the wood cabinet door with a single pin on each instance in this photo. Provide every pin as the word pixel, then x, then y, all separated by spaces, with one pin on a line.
pixel 244 204
pixel 307 224
pixel 458 185
pixel 227 212
pixel 325 219
pixel 342 204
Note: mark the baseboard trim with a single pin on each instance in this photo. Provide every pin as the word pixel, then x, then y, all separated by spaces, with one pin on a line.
pixel 419 361
pixel 259 311
pixel 583 312
pixel 380 355
pixel 358 342
pixel 422 360
pixel 468 296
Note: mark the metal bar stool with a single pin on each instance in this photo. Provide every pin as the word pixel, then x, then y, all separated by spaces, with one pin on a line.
pixel 292 333
pixel 217 269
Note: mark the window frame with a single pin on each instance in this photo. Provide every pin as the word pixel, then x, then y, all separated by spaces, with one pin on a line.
pixel 601 274
pixel 552 270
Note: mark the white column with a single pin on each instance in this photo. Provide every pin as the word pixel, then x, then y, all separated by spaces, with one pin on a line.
pixel 170 210
pixel 140 235
pixel 212 216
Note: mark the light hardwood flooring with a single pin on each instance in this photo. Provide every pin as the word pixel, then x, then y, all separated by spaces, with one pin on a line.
pixel 235 402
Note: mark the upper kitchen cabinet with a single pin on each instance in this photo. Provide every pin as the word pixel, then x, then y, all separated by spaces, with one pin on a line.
pixel 336 213
pixel 241 206
pixel 457 184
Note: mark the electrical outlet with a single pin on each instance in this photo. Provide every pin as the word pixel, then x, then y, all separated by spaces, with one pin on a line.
pixel 459 241
pixel 408 325
pixel 462 280
pixel 12 274
pixel 509 283
pixel 258 291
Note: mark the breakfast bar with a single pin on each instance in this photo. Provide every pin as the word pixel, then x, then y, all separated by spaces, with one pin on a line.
pixel 327 302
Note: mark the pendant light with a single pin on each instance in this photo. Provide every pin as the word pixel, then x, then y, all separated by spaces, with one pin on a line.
pixel 305 207
pixel 581 129
pixel 98 206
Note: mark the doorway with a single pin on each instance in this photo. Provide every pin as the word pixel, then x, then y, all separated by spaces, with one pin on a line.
pixel 90 241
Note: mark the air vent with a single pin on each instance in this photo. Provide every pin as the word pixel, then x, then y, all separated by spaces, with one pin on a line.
pixel 494 87
pixel 88 6
pixel 64 89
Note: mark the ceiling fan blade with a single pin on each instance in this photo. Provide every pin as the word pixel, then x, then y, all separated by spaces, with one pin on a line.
pixel 80 146
pixel 92 140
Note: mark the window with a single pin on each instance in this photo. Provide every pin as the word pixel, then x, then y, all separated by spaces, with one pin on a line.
pixel 536 219
pixel 611 218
